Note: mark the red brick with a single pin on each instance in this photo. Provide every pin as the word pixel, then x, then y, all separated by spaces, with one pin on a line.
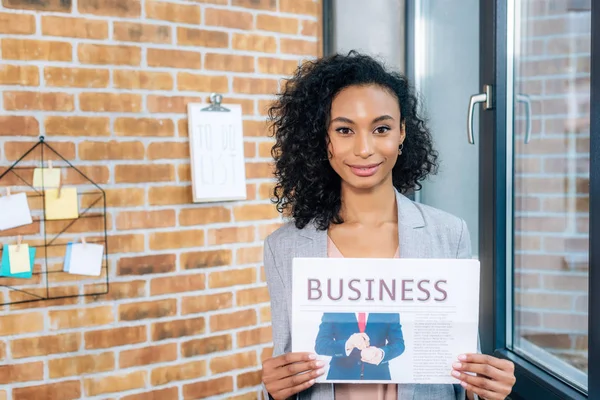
pixel 29 50
pixel 277 24
pixel 18 324
pixel 204 216
pixel 144 173
pixel 110 102
pixel 80 365
pixel 158 394
pixel 249 42
pixel 169 195
pixel 13 372
pixel 81 317
pixel 204 303
pixel 265 313
pixel 202 38
pixel 147 309
pixel 118 291
pixel 145 219
pixel 177 284
pixel 18 126
pixel 203 259
pixel 276 66
pixel 252 212
pixel 228 19
pixel 307 7
pixel 175 104
pixel 310 28
pixel 168 151
pixel 17 24
pixel 204 83
pixel 128 79
pixel 300 47
pixel 130 197
pixel 249 255
pixel 77 126
pixel 254 337
pixel 48 5
pixel 270 5
pixel 176 239
pixel 74 27
pixel 148 355
pixel 208 388
pixel 234 320
pixel 178 328
pixel 136 32
pixel 173 58
pixel 249 379
pixel 38 101
pixel 254 85
pixel 65 390
pixel 252 296
pixel 155 264
pixel 228 62
pixel 112 8
pixel 259 170
pixel 188 14
pixel 179 372
pixel 228 363
pixel 107 54
pixel 106 338
pixel 144 127
pixel 227 278
pixel 22 75
pixel 111 150
pixel 76 77
pixel 114 384
pixel 45 345
pixel 230 235
pixel 209 345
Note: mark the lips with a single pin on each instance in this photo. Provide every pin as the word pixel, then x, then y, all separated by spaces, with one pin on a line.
pixel 364 170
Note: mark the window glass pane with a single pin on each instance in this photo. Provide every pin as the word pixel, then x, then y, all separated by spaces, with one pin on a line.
pixel 550 211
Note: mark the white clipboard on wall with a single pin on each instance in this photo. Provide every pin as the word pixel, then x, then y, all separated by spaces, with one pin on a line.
pixel 216 151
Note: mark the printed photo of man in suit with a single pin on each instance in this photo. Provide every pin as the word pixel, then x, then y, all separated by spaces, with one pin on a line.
pixel 360 344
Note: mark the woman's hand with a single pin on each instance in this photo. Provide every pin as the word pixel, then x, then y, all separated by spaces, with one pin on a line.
pixel 290 373
pixel 494 380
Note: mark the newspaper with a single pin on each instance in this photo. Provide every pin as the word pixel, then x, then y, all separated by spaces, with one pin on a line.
pixel 391 320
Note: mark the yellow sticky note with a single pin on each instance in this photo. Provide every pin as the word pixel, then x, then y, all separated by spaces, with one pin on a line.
pixel 46 177
pixel 19 260
pixel 64 207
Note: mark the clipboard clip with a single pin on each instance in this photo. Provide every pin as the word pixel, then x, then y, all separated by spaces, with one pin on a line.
pixel 215 103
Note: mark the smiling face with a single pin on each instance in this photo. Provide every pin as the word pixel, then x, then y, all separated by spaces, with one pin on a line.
pixel 365 134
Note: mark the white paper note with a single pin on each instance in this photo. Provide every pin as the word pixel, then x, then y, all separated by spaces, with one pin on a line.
pixel 86 259
pixel 14 211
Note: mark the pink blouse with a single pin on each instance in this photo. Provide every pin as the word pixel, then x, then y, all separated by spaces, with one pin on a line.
pixel 359 391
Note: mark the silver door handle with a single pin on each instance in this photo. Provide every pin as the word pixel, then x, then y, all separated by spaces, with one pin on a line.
pixel 486 98
pixel 526 100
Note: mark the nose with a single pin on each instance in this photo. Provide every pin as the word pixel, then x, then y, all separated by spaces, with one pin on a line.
pixel 363 145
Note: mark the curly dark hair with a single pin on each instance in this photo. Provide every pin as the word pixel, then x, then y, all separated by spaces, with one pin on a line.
pixel 307 187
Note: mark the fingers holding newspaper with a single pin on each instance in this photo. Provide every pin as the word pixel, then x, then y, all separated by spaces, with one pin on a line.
pixel 291 373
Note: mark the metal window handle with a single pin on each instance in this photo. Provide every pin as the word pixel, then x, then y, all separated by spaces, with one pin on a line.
pixel 486 98
pixel 526 100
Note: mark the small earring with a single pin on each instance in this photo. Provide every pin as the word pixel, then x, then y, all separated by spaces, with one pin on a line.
pixel 400 148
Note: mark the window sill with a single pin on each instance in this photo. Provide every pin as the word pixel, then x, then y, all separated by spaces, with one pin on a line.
pixel 535 383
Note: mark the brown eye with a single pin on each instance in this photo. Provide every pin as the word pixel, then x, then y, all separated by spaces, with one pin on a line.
pixel 382 129
pixel 344 131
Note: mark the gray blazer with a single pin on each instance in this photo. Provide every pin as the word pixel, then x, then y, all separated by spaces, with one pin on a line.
pixel 423 232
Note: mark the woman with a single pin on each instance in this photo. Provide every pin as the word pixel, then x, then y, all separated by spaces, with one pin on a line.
pixel 349 145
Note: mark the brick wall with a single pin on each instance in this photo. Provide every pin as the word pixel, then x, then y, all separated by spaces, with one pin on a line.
pixel 107 83
pixel 552 178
